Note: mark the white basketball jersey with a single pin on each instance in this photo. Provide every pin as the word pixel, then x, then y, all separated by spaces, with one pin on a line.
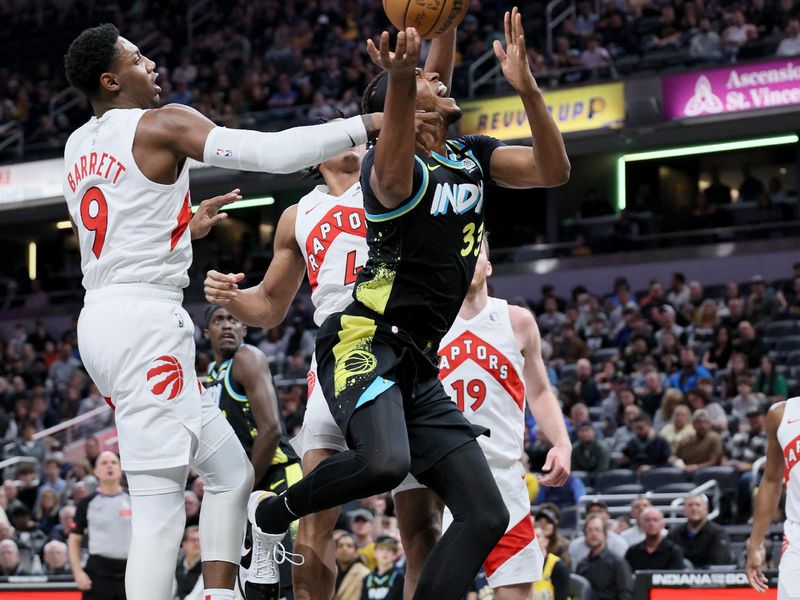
pixel 130 229
pixel 332 233
pixel 480 367
pixel 789 438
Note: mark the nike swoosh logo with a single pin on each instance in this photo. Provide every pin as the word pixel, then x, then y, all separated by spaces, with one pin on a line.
pixel 430 168
pixel 276 484
pixel 352 141
pixel 313 207
pixel 790 421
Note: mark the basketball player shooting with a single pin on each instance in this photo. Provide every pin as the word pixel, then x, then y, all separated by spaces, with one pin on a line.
pixel 126 184
pixel 377 359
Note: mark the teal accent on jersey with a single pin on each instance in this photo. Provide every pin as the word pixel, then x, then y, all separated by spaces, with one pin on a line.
pixel 408 206
pixel 375 389
pixel 227 365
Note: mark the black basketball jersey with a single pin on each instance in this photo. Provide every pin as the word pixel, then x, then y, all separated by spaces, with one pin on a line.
pixel 234 404
pixel 422 254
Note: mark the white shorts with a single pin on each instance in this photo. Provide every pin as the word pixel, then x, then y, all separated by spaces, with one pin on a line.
pixel 137 345
pixel 517 557
pixel 319 430
pixel 789 567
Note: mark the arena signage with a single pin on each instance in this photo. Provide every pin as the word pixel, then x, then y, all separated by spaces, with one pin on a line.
pixel 756 86
pixel 574 109
pixel 37 180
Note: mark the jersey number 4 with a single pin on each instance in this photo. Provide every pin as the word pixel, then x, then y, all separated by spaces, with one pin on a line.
pixel 475 389
pixel 350 269
pixel 94 216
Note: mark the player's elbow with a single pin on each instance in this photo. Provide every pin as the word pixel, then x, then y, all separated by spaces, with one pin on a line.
pixel 559 174
pixel 391 188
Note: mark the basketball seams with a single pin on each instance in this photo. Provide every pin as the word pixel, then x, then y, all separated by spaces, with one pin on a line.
pixel 443 5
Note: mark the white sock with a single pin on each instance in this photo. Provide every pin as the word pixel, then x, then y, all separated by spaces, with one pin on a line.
pixel 218 594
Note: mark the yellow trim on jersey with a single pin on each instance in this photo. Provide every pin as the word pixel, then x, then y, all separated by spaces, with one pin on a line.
pixel 294 473
pixel 374 293
pixel 353 353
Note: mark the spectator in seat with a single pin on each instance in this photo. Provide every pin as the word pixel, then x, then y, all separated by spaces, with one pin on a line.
pixel 583 387
pixel 61 531
pixel 690 372
pixel 623 434
pixel 703 542
pixel 56 559
pixel 749 344
pixel 672 398
pixel 188 571
pixel 790 45
pixel 595 55
pixel 588 454
pixel 735 313
pixel 743 449
pixel 656 552
pixel 769 382
pixel 666 317
pixel 745 401
pixel 386 580
pixel 27 446
pixel 738 33
pixel 547 518
pixel 678 294
pixel 597 337
pixel 569 348
pixel 705 45
pixel 634 534
pixel 650 395
pixel 555 573
pixel 9 559
pixel 608 573
pixel 762 305
pixel 679 428
pixel 704 449
pixel 350 570
pixel 718 355
pixel 646 449
pixel 551 320
pixel 579 548
pixel 751 188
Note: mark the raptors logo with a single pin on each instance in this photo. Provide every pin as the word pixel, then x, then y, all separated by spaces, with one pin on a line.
pixel 165 378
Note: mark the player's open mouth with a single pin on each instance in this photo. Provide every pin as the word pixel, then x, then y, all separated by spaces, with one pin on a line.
pixel 229 337
pixel 441 89
pixel 157 88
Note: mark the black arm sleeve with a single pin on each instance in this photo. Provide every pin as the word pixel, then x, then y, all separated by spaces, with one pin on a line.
pixel 560 580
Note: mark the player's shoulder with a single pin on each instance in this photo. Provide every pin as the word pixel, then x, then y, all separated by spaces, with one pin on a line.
pixel 521 317
pixel 775 413
pixel 472 141
pixel 248 357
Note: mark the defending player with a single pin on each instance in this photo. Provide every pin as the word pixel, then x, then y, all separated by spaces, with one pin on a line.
pixel 783 451
pixel 490 362
pixel 126 184
pixel 325 234
pixel 377 359
pixel 242 388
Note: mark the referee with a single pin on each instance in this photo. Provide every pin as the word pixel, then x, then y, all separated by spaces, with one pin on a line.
pixel 105 516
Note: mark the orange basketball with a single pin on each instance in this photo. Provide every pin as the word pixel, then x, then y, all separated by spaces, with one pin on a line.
pixel 430 17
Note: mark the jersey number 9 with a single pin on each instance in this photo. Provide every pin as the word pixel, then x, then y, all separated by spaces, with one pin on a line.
pixel 94 216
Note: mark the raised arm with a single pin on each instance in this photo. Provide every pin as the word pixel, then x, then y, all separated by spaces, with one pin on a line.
pixel 541 400
pixel 442 57
pixel 767 500
pixel 545 164
pixel 266 304
pixel 177 131
pixel 392 176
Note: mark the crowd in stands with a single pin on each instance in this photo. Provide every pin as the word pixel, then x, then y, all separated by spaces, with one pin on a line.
pixel 251 63
pixel 677 376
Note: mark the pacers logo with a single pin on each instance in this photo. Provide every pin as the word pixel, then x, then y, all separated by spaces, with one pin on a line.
pixel 357 362
pixel 165 378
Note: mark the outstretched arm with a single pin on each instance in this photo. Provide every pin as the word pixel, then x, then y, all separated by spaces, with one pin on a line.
pixel 442 57
pixel 392 177
pixel 266 304
pixel 546 164
pixel 541 400
pixel 180 131
pixel 769 495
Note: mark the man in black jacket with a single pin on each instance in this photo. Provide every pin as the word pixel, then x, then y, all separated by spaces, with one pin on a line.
pixel 655 552
pixel 704 543
pixel 609 575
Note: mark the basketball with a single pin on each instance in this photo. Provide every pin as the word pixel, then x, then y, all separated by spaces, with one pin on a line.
pixel 431 18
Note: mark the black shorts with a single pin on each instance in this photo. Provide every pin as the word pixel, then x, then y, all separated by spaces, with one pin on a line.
pixel 359 357
pixel 280 477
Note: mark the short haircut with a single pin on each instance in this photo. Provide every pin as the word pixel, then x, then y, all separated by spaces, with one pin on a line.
pixel 375 94
pixel 642 417
pixel 55 544
pixel 188 530
pixel 596 517
pixel 90 55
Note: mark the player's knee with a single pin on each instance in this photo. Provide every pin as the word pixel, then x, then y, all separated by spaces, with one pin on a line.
pixel 495 522
pixel 387 470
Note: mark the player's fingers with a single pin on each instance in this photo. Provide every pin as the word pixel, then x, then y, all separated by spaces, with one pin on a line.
pixel 400 47
pixel 514 18
pixel 520 33
pixel 384 49
pixel 218 201
pixel 507 27
pixel 412 38
pixel 217 218
pixel 237 277
pixel 498 51
pixel 373 52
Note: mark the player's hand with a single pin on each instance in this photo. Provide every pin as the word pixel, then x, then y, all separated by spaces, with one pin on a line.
pixel 557 466
pixel 754 568
pixel 82 581
pixel 220 288
pixel 208 214
pixel 428 126
pixel 405 58
pixel 514 58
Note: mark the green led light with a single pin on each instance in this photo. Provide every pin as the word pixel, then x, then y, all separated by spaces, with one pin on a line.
pixel 247 203
pixel 692 151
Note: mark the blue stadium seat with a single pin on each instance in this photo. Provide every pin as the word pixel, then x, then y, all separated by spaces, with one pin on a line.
pixel 661 476
pixel 579 587
pixel 726 477
pixel 608 479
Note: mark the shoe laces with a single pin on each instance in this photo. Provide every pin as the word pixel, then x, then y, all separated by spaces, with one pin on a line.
pixel 272 557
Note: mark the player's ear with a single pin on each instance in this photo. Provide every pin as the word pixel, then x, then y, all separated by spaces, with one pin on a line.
pixel 205 334
pixel 488 268
pixel 109 82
